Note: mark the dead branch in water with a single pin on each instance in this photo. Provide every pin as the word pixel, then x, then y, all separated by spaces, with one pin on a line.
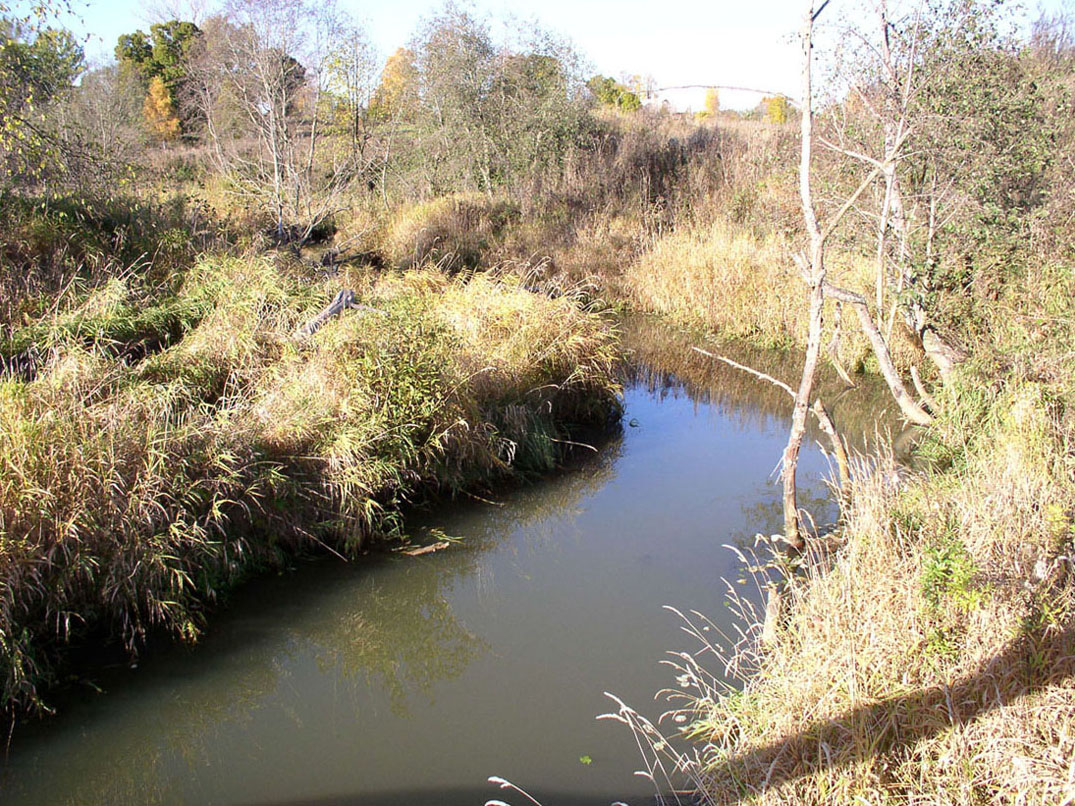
pixel 420 550
pixel 843 463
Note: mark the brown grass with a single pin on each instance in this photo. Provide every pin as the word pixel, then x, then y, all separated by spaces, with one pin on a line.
pixel 727 278
pixel 132 491
pixel 931 658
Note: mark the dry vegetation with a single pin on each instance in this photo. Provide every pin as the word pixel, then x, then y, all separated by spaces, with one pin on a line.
pixel 133 489
pixel 163 432
pixel 928 659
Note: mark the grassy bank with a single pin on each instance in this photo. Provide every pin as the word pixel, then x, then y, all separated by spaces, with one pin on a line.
pixel 928 656
pixel 160 441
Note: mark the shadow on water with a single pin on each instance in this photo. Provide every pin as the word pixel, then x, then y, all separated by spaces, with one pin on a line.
pixel 454 797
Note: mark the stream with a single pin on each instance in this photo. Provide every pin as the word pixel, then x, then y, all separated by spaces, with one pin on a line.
pixel 411 680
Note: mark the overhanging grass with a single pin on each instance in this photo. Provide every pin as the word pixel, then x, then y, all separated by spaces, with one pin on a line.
pixel 931 658
pixel 131 493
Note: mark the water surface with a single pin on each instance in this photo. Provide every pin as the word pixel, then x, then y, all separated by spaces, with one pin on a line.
pixel 409 680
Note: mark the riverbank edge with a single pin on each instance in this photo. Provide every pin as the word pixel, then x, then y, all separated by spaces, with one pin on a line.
pixel 284 449
pixel 951 581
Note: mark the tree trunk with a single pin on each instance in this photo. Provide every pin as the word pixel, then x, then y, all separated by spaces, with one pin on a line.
pixel 792 531
pixel 816 280
pixel 911 410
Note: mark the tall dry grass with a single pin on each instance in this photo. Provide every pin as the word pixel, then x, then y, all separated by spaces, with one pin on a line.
pixel 134 488
pixel 929 655
pixel 457 231
pixel 730 279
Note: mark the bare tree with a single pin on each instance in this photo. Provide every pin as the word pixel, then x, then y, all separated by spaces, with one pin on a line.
pixel 889 80
pixel 350 76
pixel 196 11
pixel 102 122
pixel 812 264
pixel 260 80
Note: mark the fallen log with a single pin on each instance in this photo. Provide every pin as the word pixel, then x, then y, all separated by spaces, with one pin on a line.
pixel 419 551
pixel 344 300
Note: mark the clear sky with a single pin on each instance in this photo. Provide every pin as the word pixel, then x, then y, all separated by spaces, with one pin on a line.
pixel 748 43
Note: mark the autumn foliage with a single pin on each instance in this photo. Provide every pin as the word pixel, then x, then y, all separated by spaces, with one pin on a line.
pixel 159 112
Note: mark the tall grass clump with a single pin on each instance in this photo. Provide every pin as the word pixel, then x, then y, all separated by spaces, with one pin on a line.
pixel 739 282
pixel 929 659
pixel 722 276
pixel 136 486
pixel 60 246
pixel 457 231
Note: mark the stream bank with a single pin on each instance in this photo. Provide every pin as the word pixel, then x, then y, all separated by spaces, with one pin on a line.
pixel 413 679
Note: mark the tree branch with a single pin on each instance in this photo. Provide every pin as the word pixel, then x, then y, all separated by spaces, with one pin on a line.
pixel 344 300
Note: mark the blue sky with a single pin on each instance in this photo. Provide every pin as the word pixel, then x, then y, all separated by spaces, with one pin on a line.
pixel 747 43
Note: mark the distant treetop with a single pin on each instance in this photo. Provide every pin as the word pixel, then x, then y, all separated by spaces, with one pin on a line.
pixel 610 92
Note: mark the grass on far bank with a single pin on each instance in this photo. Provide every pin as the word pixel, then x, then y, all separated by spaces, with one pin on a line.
pixel 740 283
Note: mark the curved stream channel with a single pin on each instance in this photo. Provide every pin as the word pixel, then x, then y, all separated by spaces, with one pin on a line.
pixel 411 680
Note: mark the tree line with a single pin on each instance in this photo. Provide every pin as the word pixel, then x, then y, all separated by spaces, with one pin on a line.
pixel 287 102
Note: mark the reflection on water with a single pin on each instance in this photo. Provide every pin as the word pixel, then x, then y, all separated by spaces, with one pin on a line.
pixel 412 679
pixel 661 357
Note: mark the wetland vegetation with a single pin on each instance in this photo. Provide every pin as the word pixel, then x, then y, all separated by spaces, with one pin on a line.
pixel 180 412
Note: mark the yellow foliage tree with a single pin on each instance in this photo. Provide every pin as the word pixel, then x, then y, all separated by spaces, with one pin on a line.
pixel 712 102
pixel 776 109
pixel 712 105
pixel 159 111
pixel 397 94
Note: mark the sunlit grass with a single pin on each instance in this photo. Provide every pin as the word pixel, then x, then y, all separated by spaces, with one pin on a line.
pixel 133 488
pixel 929 658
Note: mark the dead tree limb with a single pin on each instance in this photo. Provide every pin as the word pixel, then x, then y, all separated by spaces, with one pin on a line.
pixel 774 609
pixel 824 421
pixel 344 300
pixel 911 410
pixel 927 398
pixel 833 347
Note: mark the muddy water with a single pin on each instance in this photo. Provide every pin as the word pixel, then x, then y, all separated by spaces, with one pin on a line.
pixel 410 680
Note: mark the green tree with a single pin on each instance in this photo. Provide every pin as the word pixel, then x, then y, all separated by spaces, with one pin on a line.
pixel 609 92
pixel 535 113
pixel 163 55
pixel 37 65
pixel 490 111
